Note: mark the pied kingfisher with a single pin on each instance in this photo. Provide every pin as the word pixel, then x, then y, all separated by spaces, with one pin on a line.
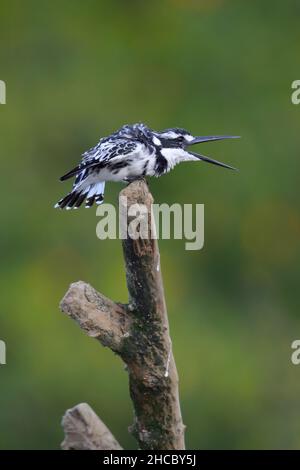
pixel 128 154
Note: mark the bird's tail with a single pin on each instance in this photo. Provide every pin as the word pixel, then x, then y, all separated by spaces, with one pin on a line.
pixel 90 194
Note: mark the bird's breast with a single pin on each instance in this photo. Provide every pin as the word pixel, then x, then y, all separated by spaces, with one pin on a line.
pixel 140 162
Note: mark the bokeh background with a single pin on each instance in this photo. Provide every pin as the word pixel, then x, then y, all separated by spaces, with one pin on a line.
pixel 76 71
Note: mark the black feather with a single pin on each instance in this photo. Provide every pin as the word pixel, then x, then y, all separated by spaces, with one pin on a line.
pixel 73 199
pixel 70 174
pixel 90 201
pixel 64 201
pixel 80 200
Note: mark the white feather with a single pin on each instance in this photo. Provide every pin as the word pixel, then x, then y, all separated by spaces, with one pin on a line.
pixel 175 156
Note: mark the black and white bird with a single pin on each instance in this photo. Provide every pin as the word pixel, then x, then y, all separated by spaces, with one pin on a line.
pixel 132 152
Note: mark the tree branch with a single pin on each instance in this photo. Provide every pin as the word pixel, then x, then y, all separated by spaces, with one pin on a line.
pixel 85 431
pixel 153 376
pixel 138 332
pixel 98 316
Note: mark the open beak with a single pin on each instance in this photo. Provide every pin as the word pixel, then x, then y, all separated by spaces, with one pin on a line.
pixel 200 139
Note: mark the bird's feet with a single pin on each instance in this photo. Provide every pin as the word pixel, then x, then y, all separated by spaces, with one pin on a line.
pixel 131 180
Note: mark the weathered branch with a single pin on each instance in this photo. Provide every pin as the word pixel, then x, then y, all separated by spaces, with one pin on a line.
pixel 99 317
pixel 138 332
pixel 85 431
pixel 152 372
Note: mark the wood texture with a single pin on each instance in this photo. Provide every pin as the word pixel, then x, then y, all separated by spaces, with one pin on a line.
pixel 85 431
pixel 137 332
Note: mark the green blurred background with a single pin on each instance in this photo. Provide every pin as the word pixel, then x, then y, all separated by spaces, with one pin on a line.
pixel 78 70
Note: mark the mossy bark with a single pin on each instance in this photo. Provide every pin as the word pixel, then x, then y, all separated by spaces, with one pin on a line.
pixel 152 372
pixel 138 332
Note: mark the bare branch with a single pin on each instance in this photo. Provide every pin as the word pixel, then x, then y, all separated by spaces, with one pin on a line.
pixel 152 371
pixel 139 333
pixel 99 317
pixel 85 431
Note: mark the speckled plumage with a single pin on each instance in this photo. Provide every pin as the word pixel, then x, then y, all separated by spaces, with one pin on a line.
pixel 130 153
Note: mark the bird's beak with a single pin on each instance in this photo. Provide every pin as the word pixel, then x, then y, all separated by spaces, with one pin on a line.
pixel 209 138
pixel 211 160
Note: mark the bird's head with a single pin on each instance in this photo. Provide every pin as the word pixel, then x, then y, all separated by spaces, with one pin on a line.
pixel 180 139
pixel 175 139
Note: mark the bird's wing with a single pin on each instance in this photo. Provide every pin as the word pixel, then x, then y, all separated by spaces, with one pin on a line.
pixel 100 155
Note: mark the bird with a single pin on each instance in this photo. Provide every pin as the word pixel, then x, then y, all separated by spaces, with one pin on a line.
pixel 130 153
